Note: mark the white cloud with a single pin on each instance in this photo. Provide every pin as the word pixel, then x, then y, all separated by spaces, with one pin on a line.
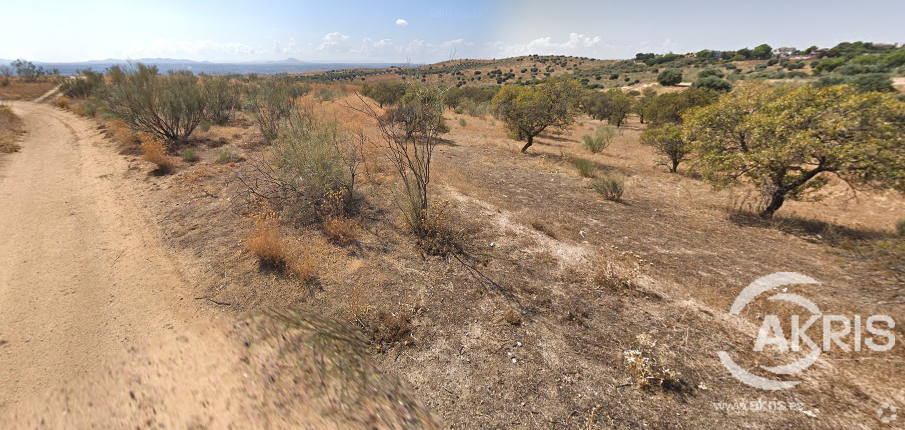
pixel 335 42
pixel 402 23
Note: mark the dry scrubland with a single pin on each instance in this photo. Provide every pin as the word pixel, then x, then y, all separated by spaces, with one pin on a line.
pixel 534 302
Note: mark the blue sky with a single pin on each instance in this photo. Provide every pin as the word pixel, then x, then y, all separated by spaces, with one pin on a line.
pixel 427 31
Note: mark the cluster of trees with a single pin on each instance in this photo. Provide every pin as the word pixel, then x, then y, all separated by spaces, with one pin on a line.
pixel 26 70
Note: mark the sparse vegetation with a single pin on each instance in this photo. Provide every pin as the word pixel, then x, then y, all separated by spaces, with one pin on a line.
pixel 611 187
pixel 585 167
pixel 266 242
pixel 600 140
pixel 10 128
pixel 155 152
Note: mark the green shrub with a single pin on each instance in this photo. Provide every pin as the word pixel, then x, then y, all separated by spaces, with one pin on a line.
pixel 204 126
pixel 168 107
pixel 226 156
pixel 610 186
pixel 670 77
pixel 462 122
pixel 317 160
pixel 713 83
pixel 222 97
pixel 585 167
pixel 87 84
pixel 270 104
pixel 190 155
pixel 600 140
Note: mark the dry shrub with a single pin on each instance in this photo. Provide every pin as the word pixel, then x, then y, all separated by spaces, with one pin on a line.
pixel 388 328
pixel 512 318
pixel 78 110
pixel 265 241
pixel 619 272
pixel 440 236
pixel 10 128
pixel 155 152
pixel 341 230
pixel 122 133
pixel 303 264
pixel 64 102
pixel 648 366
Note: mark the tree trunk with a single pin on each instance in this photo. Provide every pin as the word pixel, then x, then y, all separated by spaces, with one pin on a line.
pixel 776 201
pixel 675 166
pixel 528 145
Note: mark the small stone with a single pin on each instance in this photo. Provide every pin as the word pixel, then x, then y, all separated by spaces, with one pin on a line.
pixel 492 244
pixel 514 361
pixel 518 344
pixel 27 339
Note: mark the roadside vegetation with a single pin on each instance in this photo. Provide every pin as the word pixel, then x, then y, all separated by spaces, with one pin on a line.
pixel 480 211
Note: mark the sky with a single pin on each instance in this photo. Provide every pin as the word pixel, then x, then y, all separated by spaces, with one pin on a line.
pixel 427 31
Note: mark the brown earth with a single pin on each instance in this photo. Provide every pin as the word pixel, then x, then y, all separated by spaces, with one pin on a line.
pixel 99 326
pixel 530 332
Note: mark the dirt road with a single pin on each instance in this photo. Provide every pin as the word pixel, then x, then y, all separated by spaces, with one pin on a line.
pixel 97 326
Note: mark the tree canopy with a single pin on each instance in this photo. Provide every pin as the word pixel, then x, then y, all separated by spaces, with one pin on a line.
pixel 670 77
pixel 787 141
pixel 529 110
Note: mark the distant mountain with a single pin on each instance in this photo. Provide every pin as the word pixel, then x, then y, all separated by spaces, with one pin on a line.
pixel 289 65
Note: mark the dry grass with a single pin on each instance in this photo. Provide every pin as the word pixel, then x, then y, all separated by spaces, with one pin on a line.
pixel 122 133
pixel 155 152
pixel 303 264
pixel 63 102
pixel 648 366
pixel 266 243
pixel 11 127
pixel 19 90
pixel 341 230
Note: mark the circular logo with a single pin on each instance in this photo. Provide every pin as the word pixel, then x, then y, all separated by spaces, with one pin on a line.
pixel 750 292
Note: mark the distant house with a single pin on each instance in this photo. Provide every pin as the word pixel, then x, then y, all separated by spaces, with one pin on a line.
pixel 785 51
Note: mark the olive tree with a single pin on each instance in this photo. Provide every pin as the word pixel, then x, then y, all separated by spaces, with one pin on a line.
pixel 789 141
pixel 529 110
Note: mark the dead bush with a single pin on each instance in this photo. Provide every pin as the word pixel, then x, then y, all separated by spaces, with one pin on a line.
pixel 63 102
pixel 341 230
pixel 10 128
pixel 440 236
pixel 648 366
pixel 155 152
pixel 303 264
pixel 388 328
pixel 619 271
pixel 265 241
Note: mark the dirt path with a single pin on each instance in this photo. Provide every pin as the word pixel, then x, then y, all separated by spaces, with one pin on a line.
pixel 98 326
pixel 80 279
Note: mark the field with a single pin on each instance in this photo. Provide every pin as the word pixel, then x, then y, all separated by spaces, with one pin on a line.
pixel 555 307
pixel 529 326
